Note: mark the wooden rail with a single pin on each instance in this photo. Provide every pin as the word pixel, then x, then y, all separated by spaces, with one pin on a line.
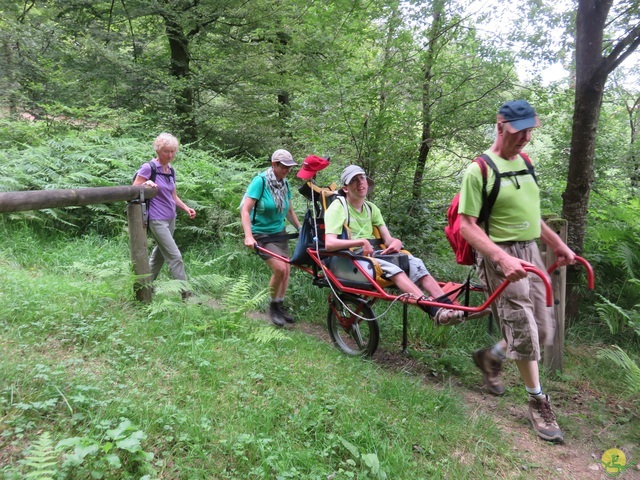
pixel 39 199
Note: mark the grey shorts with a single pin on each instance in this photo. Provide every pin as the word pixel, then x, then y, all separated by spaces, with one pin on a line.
pixel 279 247
pixel 521 309
pixel 417 270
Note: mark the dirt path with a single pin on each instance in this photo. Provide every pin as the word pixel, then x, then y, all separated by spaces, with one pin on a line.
pixel 577 459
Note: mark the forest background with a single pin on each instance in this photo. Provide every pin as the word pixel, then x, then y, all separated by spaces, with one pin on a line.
pixel 408 90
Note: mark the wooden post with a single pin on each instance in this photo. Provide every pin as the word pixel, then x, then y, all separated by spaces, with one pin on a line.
pixel 552 356
pixel 139 255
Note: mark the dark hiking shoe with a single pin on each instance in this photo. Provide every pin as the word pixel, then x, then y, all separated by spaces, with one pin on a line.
pixel 275 315
pixel 491 366
pixel 543 419
pixel 284 314
pixel 186 295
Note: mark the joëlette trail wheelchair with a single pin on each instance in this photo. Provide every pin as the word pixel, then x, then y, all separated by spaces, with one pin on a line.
pixel 356 283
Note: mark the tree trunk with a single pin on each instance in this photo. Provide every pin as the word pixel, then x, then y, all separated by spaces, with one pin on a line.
pixel 426 140
pixel 591 75
pixel 181 70
pixel 633 124
pixel 284 105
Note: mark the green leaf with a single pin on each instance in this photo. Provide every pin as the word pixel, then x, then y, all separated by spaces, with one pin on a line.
pixel 113 461
pixel 351 447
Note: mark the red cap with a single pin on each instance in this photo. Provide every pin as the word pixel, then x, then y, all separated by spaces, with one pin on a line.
pixel 312 165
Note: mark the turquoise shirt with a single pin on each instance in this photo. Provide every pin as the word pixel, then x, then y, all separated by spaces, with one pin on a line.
pixel 516 214
pixel 268 220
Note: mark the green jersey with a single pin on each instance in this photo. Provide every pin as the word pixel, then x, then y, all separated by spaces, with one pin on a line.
pixel 516 213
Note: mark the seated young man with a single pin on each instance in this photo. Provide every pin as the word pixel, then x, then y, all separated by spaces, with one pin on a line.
pixel 362 221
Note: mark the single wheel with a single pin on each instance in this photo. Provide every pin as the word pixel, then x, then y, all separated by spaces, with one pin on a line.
pixel 352 325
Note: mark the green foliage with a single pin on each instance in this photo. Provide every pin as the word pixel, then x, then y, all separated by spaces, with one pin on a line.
pixel 614 246
pixel 240 299
pixel 368 460
pixel 623 361
pixel 118 455
pixel 41 459
pixel 209 183
pixel 618 319
pixel 212 392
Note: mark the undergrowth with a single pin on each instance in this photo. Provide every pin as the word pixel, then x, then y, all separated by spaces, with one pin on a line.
pixel 94 385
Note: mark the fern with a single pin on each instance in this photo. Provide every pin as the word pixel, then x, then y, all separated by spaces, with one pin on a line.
pixel 172 287
pixel 627 256
pixel 41 459
pixel 210 282
pixel 613 315
pixel 268 334
pixel 631 370
pixel 241 297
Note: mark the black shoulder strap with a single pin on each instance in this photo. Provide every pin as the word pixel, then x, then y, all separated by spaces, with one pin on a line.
pixel 154 171
pixel 255 206
pixel 530 169
pixel 488 201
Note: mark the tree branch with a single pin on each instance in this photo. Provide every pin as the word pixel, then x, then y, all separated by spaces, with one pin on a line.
pixel 622 50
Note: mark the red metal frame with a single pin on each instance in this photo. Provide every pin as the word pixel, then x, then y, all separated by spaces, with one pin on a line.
pixel 377 291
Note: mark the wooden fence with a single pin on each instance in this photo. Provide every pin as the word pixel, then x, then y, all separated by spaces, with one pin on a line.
pixel 135 195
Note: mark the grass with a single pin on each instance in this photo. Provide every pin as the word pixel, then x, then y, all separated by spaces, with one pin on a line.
pixel 94 385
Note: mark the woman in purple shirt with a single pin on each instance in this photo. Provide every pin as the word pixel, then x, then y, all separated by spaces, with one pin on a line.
pixel 162 208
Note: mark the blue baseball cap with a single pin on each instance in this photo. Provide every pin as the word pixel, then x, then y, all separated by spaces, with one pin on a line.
pixel 518 115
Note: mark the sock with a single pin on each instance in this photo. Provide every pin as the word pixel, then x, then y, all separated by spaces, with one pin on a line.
pixel 535 392
pixel 433 310
pixel 497 351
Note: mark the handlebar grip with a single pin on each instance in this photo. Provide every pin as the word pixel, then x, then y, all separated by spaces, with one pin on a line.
pixel 543 276
pixel 591 283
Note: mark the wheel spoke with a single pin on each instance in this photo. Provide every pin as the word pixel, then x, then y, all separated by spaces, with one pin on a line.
pixel 357 335
pixel 352 325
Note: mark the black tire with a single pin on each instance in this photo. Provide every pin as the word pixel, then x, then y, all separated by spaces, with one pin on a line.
pixel 353 335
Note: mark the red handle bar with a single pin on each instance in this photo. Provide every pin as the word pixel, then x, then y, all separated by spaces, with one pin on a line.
pixel 543 276
pixel 545 280
pixel 591 283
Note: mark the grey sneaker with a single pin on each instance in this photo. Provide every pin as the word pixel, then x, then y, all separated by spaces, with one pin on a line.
pixel 491 366
pixel 544 420
pixel 275 315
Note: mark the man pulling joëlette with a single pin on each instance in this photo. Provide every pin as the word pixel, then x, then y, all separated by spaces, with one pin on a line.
pixel 515 224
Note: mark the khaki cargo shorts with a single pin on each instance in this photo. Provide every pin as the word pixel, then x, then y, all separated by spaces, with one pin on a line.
pixel 520 310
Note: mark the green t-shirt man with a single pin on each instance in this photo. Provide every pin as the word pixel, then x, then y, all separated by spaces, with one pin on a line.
pixel 360 223
pixel 515 216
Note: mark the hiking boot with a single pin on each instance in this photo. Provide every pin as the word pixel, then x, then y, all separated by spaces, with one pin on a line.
pixel 284 314
pixel 491 366
pixel 544 420
pixel 275 315
pixel 186 295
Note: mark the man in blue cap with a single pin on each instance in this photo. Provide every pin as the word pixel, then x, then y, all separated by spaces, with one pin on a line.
pixel 503 250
